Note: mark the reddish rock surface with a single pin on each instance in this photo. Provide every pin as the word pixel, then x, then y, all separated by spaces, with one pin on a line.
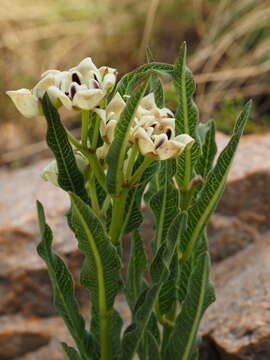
pixel 237 324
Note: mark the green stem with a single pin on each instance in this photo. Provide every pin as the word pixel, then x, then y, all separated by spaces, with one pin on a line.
pixel 117 216
pixel 106 205
pixel 93 161
pixel 131 161
pixel 138 173
pixel 84 131
pixel 96 133
pixel 91 187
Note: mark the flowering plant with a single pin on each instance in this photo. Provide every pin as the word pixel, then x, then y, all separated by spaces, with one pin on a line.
pixel 132 148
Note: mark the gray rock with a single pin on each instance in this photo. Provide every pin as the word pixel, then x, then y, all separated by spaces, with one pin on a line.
pixel 237 324
pixel 228 235
pixel 247 194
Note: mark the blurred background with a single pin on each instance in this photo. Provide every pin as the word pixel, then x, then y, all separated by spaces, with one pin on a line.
pixel 228 43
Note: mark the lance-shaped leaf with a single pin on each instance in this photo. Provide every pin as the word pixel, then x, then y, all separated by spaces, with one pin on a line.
pixel 101 267
pixel 186 119
pixel 212 189
pixel 159 273
pixel 155 84
pixel 63 288
pixel 117 152
pixel 133 217
pixel 164 204
pixel 162 69
pixel 136 266
pixel 70 352
pixel 69 176
pixel 209 150
pixel 182 340
pixel 168 292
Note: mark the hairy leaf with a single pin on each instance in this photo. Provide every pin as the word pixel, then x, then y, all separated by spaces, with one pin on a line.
pixel 69 176
pixel 70 352
pixel 212 190
pixel 209 150
pixel 136 266
pixel 164 205
pixel 186 119
pixel 117 152
pixel 63 287
pixel 162 69
pixel 100 274
pixel 155 83
pixel 159 273
pixel 183 337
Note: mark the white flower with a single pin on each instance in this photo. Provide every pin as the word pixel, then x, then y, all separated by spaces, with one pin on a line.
pixel 81 88
pixel 50 172
pixel 28 102
pixel 85 87
pixel 25 102
pixel 110 117
pixel 161 146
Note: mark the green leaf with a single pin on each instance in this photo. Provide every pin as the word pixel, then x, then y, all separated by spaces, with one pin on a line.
pixel 136 266
pixel 155 83
pixel 209 150
pixel 183 337
pixel 212 190
pixel 162 69
pixel 153 350
pixel 164 205
pixel 135 332
pixel 69 176
pixel 168 292
pixel 186 119
pixel 100 274
pixel 117 152
pixel 63 287
pixel 159 273
pixel 70 352
pixel 133 213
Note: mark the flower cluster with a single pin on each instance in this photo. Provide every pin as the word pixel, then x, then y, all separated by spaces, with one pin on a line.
pixel 84 88
pixel 153 129
pixel 80 88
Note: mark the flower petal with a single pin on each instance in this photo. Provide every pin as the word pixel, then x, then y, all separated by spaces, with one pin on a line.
pixel 58 98
pixel 50 173
pixel 102 151
pixel 169 149
pixel 116 106
pixel 185 140
pixel 148 102
pixel 88 99
pixel 25 102
pixel 42 86
pixel 144 141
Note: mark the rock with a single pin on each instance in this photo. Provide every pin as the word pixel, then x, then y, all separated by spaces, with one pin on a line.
pixel 237 324
pixel 228 235
pixel 21 336
pixel 247 194
pixel 24 282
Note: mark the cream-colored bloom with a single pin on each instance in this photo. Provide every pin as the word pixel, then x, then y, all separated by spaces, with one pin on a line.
pixel 81 88
pixel 84 86
pixel 25 102
pixel 110 117
pixel 50 172
pixel 161 146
